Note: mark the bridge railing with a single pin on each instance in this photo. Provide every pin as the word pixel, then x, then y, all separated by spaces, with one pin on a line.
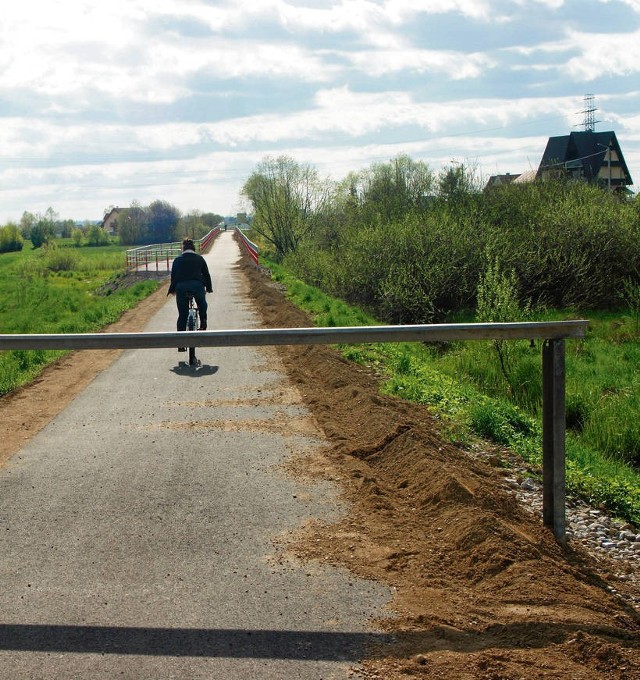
pixel 251 248
pixel 159 256
pixel 553 334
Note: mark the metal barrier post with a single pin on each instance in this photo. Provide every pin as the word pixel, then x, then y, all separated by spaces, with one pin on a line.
pixel 553 437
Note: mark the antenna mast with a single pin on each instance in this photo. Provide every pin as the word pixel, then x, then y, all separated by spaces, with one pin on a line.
pixel 589 113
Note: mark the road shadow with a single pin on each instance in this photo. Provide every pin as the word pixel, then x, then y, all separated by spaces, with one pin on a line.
pixel 292 644
pixel 195 642
pixel 183 368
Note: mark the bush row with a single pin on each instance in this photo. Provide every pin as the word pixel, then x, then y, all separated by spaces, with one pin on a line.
pixel 569 244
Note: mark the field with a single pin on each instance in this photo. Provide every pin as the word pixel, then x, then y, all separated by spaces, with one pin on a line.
pixel 479 389
pixel 407 247
pixel 481 589
pixel 59 289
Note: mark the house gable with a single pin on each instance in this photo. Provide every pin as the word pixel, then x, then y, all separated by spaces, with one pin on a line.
pixel 110 221
pixel 589 156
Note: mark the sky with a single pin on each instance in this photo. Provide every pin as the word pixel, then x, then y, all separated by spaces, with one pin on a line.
pixel 105 103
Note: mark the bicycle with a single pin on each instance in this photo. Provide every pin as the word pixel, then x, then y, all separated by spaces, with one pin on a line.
pixel 192 325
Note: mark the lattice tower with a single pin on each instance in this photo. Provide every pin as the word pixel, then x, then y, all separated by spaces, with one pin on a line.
pixel 589 113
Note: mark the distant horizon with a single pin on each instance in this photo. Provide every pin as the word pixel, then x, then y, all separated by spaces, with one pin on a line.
pixel 79 222
pixel 124 101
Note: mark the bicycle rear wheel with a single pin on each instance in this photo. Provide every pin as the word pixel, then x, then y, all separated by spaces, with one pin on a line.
pixel 192 325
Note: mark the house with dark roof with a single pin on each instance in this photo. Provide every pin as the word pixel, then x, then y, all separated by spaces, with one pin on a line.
pixel 590 156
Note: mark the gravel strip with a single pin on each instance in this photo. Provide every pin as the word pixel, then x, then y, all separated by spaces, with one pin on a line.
pixel 604 537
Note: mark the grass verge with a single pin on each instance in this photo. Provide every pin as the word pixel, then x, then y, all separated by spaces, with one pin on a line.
pixel 59 290
pixel 472 407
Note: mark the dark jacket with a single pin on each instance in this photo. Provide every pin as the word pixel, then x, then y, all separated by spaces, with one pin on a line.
pixel 190 267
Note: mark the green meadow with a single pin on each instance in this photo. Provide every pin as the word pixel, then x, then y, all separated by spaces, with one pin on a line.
pixel 59 288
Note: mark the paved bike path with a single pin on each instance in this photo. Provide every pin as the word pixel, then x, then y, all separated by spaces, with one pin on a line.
pixel 137 529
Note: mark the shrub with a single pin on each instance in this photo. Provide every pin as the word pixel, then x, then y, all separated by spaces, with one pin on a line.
pixel 567 245
pixel 498 302
pixel 59 260
pixel 96 236
pixel 10 238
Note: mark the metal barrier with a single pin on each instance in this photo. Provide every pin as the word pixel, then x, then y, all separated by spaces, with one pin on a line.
pixel 553 367
pixel 251 248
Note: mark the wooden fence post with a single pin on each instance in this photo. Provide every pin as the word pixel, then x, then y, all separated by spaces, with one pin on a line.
pixel 553 437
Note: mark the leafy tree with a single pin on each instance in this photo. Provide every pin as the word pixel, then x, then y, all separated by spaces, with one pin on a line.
pixel 211 220
pixel 66 227
pixel 195 224
pixel 133 225
pixel 77 236
pixel 44 228
pixel 163 222
pixel 390 191
pixel 97 236
pixel 384 192
pixel 457 183
pixel 26 223
pixel 289 200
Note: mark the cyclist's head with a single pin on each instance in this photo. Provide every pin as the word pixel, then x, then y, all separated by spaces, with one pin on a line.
pixel 187 244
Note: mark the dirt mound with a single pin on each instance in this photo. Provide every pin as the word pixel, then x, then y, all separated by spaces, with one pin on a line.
pixel 482 590
pixel 128 279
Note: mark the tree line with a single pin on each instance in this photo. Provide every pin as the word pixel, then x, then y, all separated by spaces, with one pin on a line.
pixel 159 222
pixel 412 245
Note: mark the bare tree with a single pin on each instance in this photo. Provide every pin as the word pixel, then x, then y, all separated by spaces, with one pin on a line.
pixel 289 200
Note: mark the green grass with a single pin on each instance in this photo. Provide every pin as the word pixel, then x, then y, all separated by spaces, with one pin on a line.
pixel 326 310
pixel 57 290
pixel 464 385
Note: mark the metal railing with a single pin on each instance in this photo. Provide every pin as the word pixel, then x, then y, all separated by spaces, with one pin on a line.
pixel 252 249
pixel 159 256
pixel 553 367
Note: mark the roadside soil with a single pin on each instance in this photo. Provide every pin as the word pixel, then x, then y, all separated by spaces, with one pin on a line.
pixel 481 589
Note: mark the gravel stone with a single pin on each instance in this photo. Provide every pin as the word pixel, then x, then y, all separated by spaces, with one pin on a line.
pixel 601 535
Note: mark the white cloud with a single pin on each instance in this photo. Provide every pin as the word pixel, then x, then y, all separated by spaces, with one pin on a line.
pixel 121 63
pixel 634 4
pixel 455 65
pixel 551 4
pixel 604 54
pixel 474 9
pixel 596 55
pixel 142 70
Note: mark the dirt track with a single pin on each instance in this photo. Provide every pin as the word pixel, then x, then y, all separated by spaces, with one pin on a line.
pixel 482 590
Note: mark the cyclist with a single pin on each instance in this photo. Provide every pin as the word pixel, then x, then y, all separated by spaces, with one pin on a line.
pixel 190 276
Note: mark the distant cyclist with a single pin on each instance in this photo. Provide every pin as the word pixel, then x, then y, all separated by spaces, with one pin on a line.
pixel 190 276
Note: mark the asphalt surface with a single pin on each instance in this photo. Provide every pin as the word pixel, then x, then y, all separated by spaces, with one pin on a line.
pixel 140 531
